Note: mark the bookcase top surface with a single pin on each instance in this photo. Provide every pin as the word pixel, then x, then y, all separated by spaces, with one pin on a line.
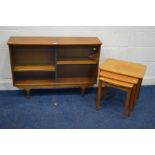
pixel 54 41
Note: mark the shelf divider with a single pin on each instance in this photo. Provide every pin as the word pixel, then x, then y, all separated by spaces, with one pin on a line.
pixel 56 57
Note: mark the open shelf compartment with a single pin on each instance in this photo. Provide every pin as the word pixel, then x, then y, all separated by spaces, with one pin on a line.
pixel 33 56
pixel 77 55
pixel 30 77
pixel 76 71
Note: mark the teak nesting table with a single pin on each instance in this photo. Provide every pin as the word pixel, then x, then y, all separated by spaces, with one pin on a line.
pixel 124 75
pixel 48 62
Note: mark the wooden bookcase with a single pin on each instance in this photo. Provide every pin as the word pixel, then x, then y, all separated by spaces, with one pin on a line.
pixel 48 62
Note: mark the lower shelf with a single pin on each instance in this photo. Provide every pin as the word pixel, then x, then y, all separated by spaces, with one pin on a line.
pixel 72 81
pixel 58 82
pixel 32 82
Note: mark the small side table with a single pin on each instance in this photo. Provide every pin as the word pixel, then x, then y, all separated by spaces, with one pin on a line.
pixel 131 72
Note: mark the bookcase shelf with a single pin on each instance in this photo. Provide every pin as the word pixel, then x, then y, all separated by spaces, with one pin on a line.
pixel 76 61
pixel 58 82
pixel 34 68
pixel 76 80
pixel 47 62
pixel 24 83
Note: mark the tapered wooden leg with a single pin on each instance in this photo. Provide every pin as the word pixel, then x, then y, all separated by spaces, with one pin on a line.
pixel 132 101
pixel 28 90
pixel 105 92
pixel 99 95
pixel 137 92
pixel 127 104
pixel 138 88
pixel 83 89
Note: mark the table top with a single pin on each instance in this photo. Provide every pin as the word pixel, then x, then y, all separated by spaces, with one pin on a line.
pixel 124 67
pixel 54 41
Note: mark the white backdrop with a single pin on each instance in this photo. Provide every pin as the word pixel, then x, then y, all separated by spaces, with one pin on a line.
pixel 131 43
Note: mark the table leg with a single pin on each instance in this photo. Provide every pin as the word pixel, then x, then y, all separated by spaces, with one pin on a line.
pixel 137 91
pixel 132 102
pixel 127 104
pixel 99 95
pixel 105 92
pixel 83 89
pixel 28 90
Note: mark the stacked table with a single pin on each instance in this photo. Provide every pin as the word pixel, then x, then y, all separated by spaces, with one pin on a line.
pixel 124 75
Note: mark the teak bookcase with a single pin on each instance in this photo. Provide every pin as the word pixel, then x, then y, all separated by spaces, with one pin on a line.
pixel 48 62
